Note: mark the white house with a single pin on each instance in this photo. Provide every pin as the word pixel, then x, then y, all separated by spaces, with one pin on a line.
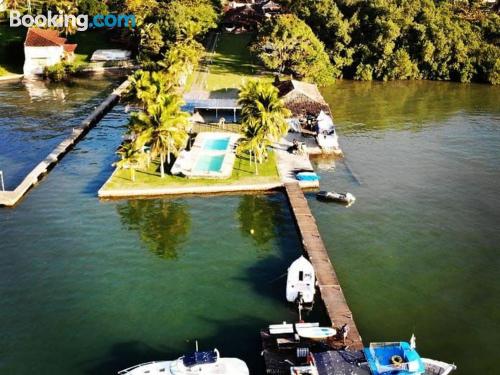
pixel 45 48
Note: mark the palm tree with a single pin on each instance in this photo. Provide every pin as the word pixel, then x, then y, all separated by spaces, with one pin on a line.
pixel 146 87
pixel 181 59
pixel 254 142
pixel 130 158
pixel 261 104
pixel 263 117
pixel 163 127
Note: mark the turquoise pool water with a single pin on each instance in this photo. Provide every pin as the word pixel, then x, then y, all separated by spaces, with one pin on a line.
pixel 216 144
pixel 209 163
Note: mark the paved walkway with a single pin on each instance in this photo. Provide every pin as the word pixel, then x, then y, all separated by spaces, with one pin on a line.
pixel 289 164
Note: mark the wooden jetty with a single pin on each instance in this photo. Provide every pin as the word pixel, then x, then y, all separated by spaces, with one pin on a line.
pixel 328 284
pixel 10 198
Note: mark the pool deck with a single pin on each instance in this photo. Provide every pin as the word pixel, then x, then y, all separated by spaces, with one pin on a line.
pixel 287 164
pixel 10 198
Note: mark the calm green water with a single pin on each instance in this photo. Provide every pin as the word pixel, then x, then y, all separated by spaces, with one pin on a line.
pixel 90 287
pixel 419 250
pixel 35 116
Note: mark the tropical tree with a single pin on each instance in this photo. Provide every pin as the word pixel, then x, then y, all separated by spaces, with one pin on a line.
pixel 146 87
pixel 130 157
pixel 288 45
pixel 181 59
pixel 188 19
pixel 263 119
pixel 67 7
pixel 162 126
pixel 261 105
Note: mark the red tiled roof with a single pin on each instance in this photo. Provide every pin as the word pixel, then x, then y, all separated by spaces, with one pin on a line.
pixel 70 47
pixel 43 38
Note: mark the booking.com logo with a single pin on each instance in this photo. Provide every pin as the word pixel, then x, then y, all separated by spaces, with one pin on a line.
pixel 79 22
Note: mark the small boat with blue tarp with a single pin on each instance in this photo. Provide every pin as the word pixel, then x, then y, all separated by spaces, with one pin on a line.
pixel 399 358
pixel 201 363
pixel 307 176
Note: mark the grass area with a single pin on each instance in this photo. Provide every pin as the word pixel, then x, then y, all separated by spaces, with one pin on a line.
pixel 11 49
pixel 243 174
pixel 233 64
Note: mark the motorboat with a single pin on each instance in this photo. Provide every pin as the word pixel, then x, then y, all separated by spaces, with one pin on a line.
pixel 300 282
pixel 316 333
pixel 331 196
pixel 201 363
pixel 433 367
pixel 327 136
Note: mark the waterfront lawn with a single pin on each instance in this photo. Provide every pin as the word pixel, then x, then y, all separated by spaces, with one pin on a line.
pixel 233 64
pixel 11 49
pixel 243 174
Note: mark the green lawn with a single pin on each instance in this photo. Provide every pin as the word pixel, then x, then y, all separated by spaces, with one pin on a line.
pixel 233 64
pixel 243 174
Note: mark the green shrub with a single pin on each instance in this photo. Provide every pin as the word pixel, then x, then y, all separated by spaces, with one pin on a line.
pixel 60 71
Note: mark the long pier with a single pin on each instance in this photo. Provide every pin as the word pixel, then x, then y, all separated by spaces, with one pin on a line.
pixel 331 293
pixel 10 198
pixel 328 283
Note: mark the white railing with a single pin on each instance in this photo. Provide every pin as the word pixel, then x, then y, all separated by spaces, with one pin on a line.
pixel 1 181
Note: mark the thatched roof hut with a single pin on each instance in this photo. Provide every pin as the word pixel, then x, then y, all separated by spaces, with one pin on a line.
pixel 302 97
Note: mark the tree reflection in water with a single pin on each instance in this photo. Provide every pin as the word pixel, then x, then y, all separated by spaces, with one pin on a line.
pixel 257 215
pixel 163 225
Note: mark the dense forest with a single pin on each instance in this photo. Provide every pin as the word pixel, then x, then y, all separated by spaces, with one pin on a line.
pixel 403 39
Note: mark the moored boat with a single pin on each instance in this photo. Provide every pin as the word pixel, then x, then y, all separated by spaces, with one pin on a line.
pixel 331 196
pixel 394 358
pixel 201 363
pixel 300 282
pixel 433 367
pixel 316 333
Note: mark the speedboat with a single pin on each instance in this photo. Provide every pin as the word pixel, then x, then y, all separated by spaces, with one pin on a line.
pixel 331 196
pixel 327 136
pixel 201 363
pixel 300 282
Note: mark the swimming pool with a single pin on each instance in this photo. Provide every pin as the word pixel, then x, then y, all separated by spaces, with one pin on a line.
pixel 209 163
pixel 216 144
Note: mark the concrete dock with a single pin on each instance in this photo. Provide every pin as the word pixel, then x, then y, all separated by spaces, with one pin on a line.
pixel 10 198
pixel 328 284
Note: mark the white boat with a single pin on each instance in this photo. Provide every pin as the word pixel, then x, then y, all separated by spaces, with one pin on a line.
pixel 289 328
pixel 316 333
pixel 331 196
pixel 327 136
pixel 201 363
pixel 434 367
pixel 300 282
